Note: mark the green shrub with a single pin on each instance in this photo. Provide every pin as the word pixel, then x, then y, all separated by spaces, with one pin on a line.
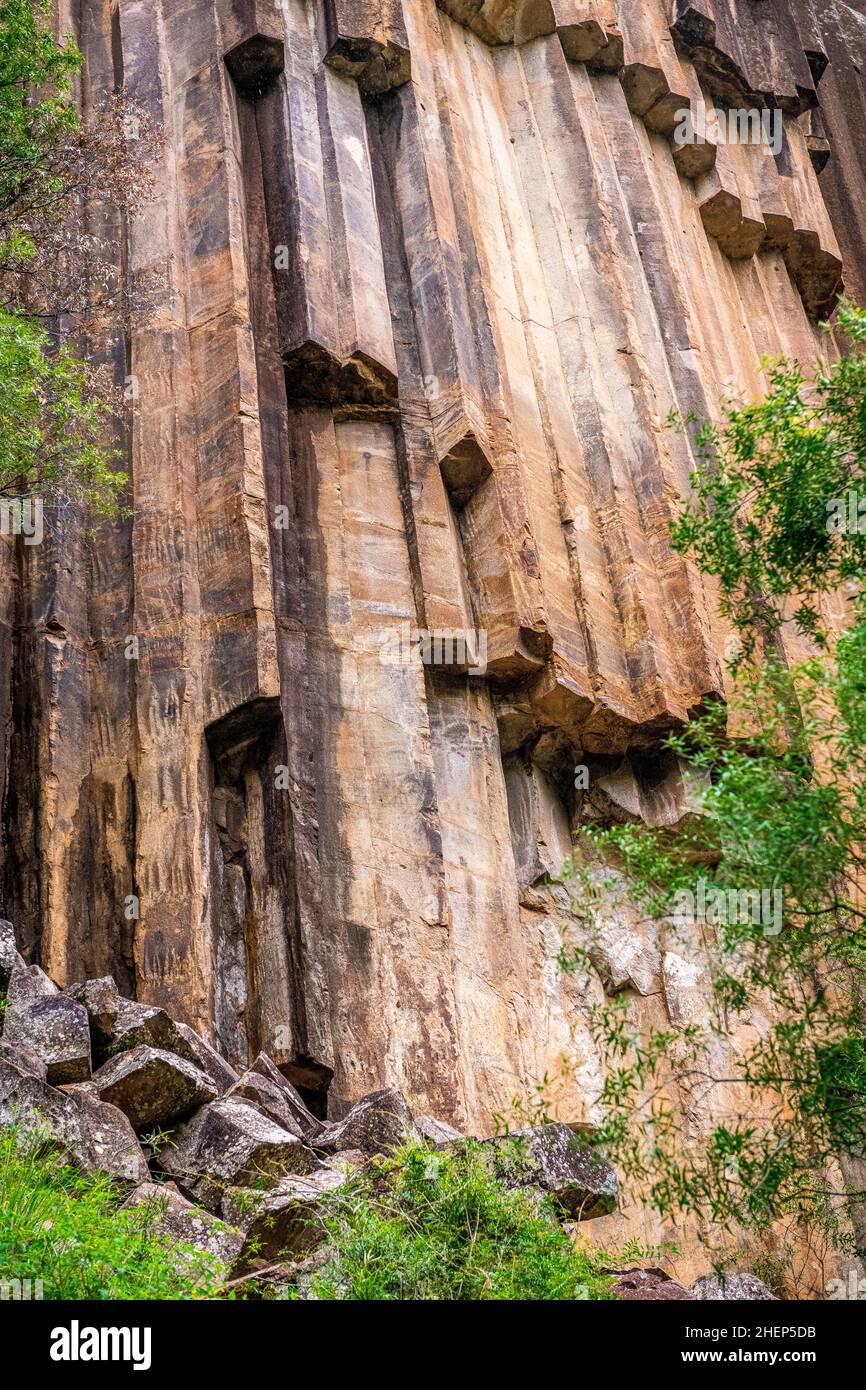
pixel 67 1229
pixel 427 1225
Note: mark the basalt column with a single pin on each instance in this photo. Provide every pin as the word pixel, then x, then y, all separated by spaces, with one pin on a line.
pixel 424 283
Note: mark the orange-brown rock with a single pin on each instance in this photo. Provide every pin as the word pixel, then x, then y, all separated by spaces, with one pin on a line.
pixel 431 278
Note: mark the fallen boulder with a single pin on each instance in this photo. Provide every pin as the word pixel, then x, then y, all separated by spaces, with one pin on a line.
pixel 282 1222
pixel 174 1216
pixel 378 1124
pixel 40 1019
pixel 552 1159
pixel 436 1131
pixel 118 1025
pixel 152 1087
pixel 36 1108
pixel 23 1059
pixel 269 1071
pixel 275 1097
pixel 188 1044
pixel 736 1287
pixel 230 1143
pixel 649 1286
pixel 112 1144
pixel 93 1137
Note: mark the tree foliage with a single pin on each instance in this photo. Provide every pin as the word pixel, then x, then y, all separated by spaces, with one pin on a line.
pixel 52 422
pixel 784 813
pixel 55 403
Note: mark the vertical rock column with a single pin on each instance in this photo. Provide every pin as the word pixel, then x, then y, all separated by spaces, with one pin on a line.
pixel 203 598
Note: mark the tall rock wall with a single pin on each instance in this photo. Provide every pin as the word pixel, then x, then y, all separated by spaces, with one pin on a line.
pixel 429 279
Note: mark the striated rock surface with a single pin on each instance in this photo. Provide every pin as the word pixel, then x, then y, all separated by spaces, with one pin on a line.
pixel 287 752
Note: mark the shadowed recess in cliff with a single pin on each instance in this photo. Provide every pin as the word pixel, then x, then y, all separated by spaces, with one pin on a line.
pixel 253 904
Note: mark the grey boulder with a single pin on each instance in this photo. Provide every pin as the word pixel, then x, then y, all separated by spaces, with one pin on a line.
pixel 186 1043
pixel 733 1287
pixel 230 1143
pixel 552 1159
pixel 436 1131
pixel 119 1025
pixel 378 1124
pixel 285 1221
pixel 39 1110
pixel 23 1059
pixel 112 1144
pixel 87 1134
pixel 152 1087
pixel 649 1286
pixel 172 1215
pixel 40 1019
pixel 265 1086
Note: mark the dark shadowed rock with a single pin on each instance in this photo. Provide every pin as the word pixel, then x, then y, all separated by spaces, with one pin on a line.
pixel 378 1124
pixel 230 1143
pixel 648 1285
pixel 112 1144
pixel 152 1087
pixel 283 1221
pixel 736 1287
pixel 39 1019
pixel 265 1086
pixel 553 1159
pixel 174 1216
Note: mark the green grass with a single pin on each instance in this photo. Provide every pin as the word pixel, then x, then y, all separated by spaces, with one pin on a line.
pixel 66 1229
pixel 426 1225
pixel 420 1225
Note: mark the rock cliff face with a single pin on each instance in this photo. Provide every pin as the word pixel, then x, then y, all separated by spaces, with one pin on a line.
pixel 430 278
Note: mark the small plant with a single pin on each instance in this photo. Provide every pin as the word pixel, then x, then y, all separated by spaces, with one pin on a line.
pixel 437 1225
pixel 772 1271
